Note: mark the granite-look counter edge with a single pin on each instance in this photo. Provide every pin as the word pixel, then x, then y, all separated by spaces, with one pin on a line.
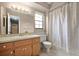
pixel 16 38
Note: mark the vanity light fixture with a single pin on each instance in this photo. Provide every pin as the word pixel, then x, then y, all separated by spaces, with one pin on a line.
pixel 20 9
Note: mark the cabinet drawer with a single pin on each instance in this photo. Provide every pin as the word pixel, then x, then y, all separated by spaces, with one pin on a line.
pixel 23 42
pixel 36 40
pixel 7 53
pixel 6 46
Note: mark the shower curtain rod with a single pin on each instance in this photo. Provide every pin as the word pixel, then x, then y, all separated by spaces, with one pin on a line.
pixel 59 6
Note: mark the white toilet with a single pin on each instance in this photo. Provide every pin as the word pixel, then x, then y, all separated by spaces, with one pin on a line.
pixel 47 45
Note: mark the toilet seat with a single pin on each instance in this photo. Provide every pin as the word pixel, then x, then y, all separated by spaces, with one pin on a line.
pixel 47 43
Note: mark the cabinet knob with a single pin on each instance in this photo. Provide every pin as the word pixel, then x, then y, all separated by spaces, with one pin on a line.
pixel 11 52
pixel 4 46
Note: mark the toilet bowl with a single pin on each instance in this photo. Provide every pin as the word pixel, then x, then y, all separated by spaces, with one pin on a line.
pixel 47 45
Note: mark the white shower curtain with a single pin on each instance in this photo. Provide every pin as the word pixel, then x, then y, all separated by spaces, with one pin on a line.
pixel 65 27
pixel 59 27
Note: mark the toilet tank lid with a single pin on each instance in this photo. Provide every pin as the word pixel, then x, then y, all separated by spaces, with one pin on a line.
pixel 47 42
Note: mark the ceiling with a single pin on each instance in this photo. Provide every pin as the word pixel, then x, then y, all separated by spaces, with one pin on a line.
pixel 49 3
pixel 40 6
pixel 45 4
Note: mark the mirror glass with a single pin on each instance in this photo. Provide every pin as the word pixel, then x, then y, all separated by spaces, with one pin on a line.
pixel 12 25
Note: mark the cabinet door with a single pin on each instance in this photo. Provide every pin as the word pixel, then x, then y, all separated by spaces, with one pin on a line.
pixel 7 53
pixel 23 51
pixel 28 50
pixel 20 51
pixel 36 49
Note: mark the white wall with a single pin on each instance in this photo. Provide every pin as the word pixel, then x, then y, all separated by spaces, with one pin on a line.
pixel 74 27
pixel 0 19
pixel 46 26
pixel 77 13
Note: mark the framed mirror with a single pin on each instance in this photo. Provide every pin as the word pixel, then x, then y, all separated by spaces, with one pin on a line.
pixel 12 24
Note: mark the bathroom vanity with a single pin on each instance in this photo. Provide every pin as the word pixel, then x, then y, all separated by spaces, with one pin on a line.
pixel 28 45
pixel 14 41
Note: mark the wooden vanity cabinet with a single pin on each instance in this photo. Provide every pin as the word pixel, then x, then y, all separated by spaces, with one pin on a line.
pixel 20 51
pixel 28 50
pixel 36 46
pixel 7 53
pixel 23 48
pixel 26 47
pixel 6 49
pixel 23 51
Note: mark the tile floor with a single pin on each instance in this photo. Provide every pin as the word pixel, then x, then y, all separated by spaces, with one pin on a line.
pixel 58 52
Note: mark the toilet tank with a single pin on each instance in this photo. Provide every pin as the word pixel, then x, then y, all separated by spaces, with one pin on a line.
pixel 42 38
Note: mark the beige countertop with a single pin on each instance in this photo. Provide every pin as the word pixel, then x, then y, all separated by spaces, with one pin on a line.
pixel 15 38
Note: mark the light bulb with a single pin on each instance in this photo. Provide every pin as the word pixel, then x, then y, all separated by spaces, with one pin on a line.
pixel 13 6
pixel 23 9
pixel 18 8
